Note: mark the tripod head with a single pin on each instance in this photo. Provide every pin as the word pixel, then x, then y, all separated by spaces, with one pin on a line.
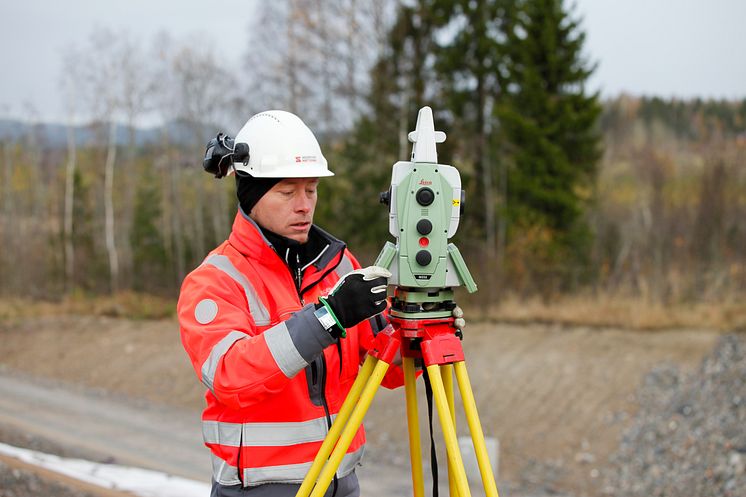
pixel 425 203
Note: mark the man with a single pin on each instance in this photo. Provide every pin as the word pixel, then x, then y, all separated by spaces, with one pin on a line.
pixel 277 318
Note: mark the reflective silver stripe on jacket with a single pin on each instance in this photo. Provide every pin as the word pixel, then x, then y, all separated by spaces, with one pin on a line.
pixel 283 350
pixel 256 307
pixel 344 267
pixel 218 350
pixel 226 474
pixel 264 434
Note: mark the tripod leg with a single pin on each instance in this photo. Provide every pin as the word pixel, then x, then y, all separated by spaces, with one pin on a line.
pixel 413 423
pixel 446 371
pixel 449 431
pixel 477 437
pixel 336 429
pixel 350 429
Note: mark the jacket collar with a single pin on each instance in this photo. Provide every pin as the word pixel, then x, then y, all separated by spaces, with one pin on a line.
pixel 248 239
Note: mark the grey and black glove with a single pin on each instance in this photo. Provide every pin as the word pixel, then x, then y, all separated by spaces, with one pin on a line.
pixel 359 295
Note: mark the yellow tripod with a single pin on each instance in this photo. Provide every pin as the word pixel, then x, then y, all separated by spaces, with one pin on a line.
pixel 442 354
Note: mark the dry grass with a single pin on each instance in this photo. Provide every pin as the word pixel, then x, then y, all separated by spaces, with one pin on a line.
pixel 593 311
pixel 620 312
pixel 126 305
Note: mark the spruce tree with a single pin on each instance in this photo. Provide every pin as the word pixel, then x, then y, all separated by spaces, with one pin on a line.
pixel 466 64
pixel 548 120
pixel 148 251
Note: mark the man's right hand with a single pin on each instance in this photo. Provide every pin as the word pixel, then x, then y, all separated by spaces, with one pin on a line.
pixel 359 295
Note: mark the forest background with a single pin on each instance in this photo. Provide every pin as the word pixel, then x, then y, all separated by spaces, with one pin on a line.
pixel 570 198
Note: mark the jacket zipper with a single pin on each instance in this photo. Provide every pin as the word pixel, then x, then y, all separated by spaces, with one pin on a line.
pixel 298 278
pixel 238 459
pixel 324 275
pixel 302 303
pixel 315 373
pixel 319 375
pixel 322 373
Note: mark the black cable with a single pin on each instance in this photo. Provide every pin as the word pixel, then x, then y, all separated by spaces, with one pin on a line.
pixel 433 454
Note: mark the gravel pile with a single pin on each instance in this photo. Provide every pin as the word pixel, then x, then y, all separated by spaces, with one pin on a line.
pixel 20 483
pixel 16 482
pixel 689 436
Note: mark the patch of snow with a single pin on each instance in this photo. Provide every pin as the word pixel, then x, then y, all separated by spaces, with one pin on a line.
pixel 142 482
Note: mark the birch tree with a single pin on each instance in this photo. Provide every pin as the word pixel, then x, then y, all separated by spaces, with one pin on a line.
pixel 316 62
pixel 196 87
pixel 68 83
pixel 7 203
pixel 98 67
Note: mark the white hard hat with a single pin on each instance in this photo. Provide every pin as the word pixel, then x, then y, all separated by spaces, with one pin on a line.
pixel 280 146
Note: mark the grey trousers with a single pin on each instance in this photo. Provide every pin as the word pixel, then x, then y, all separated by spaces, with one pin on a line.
pixel 346 487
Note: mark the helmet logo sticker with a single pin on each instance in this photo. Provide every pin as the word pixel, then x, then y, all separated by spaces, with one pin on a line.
pixel 306 158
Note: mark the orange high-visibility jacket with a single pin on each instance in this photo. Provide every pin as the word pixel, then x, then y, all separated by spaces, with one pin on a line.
pixel 274 380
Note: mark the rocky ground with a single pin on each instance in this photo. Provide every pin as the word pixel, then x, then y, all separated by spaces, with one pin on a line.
pixel 16 482
pixel 19 481
pixel 689 435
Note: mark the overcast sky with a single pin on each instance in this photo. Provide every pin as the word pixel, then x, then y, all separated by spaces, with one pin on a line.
pixel 681 48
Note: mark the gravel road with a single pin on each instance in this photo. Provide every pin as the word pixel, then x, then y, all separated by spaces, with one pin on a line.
pixel 84 423
pixel 111 430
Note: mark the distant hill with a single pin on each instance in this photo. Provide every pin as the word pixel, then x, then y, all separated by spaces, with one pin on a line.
pixel 54 135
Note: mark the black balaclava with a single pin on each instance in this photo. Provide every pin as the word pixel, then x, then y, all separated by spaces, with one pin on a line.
pixel 250 189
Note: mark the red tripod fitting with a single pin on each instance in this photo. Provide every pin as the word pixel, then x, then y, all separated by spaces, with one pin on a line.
pixel 438 343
